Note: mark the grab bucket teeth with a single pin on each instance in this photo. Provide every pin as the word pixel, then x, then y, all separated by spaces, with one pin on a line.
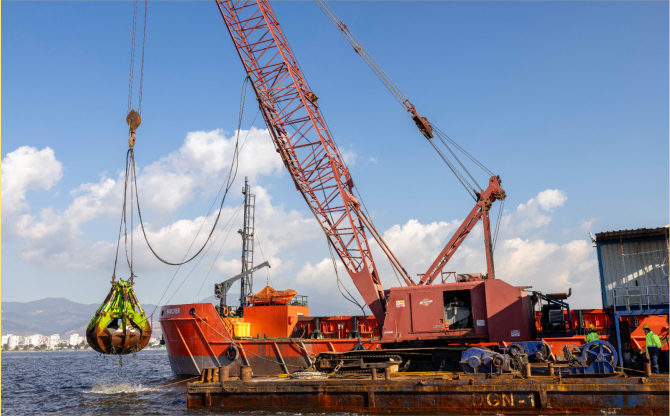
pixel 119 325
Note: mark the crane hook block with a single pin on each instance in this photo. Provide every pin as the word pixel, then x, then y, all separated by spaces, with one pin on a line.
pixel 134 120
pixel 424 125
pixel 119 326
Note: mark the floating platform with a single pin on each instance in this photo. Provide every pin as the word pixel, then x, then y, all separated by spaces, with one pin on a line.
pixel 438 393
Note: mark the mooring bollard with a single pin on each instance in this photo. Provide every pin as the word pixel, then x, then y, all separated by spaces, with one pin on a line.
pixel 224 373
pixel 551 369
pixel 387 373
pixel 374 374
pixel 647 369
pixel 527 368
pixel 245 373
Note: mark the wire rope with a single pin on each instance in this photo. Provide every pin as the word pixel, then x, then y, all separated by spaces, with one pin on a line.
pixel 144 36
pixel 230 179
pixel 231 222
pixel 226 182
pixel 405 102
pixel 267 269
pixel 498 222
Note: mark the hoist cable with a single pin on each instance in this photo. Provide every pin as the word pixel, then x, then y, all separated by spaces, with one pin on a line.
pixel 144 36
pixel 235 156
pixel 132 56
pixel 367 57
pixel 133 39
pixel 123 218
pixel 459 162
pixel 498 222
pixel 231 221
pixel 227 183
pixel 460 178
pixel 453 142
pixel 400 96
pixel 263 256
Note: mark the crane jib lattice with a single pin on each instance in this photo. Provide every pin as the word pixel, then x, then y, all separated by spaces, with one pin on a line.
pixel 301 137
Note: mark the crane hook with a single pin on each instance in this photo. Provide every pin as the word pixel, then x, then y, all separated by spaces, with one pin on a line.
pixel 134 120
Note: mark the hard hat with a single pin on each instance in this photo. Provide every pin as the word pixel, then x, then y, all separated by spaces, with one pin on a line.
pixel 645 326
pixel 592 326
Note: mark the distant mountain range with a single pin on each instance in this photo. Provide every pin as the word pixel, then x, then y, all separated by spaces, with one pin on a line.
pixel 54 316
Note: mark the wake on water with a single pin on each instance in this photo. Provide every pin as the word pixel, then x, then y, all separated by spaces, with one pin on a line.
pixel 115 388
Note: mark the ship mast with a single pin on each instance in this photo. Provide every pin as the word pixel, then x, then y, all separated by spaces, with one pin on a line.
pixel 247 233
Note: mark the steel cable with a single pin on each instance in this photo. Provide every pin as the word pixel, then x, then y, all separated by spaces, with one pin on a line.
pixel 144 36
pixel 132 56
pixel 228 184
pixel 231 222
pixel 498 222
pixel 402 98
pixel 235 157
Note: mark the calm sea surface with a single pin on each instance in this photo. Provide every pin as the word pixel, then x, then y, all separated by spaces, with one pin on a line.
pixel 40 383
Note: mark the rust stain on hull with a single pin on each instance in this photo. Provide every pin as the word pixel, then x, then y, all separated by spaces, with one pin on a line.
pixel 512 396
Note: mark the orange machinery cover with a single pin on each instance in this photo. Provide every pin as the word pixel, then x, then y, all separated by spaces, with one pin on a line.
pixel 270 296
pixel 275 321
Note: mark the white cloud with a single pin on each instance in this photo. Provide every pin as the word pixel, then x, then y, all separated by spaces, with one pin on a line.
pixel 319 282
pixel 27 169
pixel 520 258
pixel 203 162
pixel 586 225
pixel 534 214
pixel 373 160
pixel 55 238
pixel 349 155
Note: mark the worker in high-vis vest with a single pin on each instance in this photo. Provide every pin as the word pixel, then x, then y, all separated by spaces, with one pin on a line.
pixel 592 335
pixel 653 348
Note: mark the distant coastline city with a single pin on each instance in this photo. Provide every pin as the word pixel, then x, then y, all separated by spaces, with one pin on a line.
pixel 38 342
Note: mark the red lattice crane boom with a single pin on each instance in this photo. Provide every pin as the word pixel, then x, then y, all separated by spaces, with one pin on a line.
pixel 301 137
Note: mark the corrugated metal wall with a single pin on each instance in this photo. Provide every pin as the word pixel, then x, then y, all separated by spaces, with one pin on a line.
pixel 643 263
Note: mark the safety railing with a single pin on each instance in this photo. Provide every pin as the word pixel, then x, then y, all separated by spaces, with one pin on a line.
pixel 299 300
pixel 640 297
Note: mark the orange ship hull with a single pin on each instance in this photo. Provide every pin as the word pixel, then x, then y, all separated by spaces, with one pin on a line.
pixel 200 339
pixel 197 337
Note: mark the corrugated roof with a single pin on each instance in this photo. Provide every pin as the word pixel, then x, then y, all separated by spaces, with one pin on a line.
pixel 631 234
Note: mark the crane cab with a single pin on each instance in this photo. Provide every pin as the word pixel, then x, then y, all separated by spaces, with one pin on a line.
pixel 473 311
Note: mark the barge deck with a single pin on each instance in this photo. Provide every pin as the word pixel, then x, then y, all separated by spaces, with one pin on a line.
pixel 438 393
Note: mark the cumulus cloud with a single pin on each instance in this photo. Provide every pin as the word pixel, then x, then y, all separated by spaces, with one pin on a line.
pixel 586 225
pixel 521 258
pixel 349 155
pixel 202 163
pixel 534 214
pixel 549 267
pixel 55 238
pixel 319 281
pixel 27 169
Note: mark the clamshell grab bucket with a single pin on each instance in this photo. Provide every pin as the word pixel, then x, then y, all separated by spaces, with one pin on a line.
pixel 120 325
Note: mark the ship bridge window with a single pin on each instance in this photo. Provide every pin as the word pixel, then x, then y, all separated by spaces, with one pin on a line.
pixel 458 309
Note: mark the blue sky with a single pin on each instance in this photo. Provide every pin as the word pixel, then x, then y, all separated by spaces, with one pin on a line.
pixel 564 96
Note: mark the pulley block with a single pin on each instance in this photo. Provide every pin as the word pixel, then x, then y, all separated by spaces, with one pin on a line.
pixel 119 325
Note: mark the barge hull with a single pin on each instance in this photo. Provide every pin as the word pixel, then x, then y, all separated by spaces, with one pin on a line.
pixel 630 396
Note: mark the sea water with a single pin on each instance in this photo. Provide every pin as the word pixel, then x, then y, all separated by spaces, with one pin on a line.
pixel 49 382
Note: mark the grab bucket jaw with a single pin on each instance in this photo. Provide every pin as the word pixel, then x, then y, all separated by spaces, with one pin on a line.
pixel 119 325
